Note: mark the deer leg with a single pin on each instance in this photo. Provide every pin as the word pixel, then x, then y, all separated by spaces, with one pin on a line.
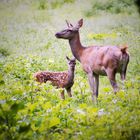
pixel 111 75
pixel 62 94
pixel 123 73
pixel 93 88
pixel 69 92
pixel 96 84
pixel 124 66
pixel 122 76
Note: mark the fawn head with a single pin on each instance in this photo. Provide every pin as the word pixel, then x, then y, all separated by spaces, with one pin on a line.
pixel 71 31
pixel 71 62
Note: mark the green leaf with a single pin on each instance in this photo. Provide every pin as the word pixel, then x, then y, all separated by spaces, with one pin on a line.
pixel 54 121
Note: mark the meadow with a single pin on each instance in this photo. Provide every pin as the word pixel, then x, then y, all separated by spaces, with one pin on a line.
pixel 28 44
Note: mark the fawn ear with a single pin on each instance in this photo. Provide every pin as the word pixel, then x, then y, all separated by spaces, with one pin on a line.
pixel 74 59
pixel 67 58
pixel 80 23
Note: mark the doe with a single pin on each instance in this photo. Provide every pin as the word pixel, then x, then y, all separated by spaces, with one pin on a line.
pixel 59 79
pixel 96 60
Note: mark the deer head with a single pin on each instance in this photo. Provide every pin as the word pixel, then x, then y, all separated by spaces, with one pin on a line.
pixel 71 31
pixel 71 62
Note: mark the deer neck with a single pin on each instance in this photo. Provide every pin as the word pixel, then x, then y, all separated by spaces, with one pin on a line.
pixel 71 74
pixel 76 46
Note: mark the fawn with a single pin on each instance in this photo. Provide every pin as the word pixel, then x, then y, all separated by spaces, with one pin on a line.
pixel 96 60
pixel 59 79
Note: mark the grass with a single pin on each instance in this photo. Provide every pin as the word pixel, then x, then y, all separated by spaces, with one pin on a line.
pixel 28 44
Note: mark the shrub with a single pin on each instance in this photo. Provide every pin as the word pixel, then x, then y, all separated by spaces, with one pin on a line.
pixel 42 4
pixel 111 6
pixel 4 52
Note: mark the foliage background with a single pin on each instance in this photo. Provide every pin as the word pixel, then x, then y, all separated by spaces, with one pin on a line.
pixel 28 44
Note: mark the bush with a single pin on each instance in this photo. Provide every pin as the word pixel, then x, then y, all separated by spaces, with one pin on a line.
pixel 4 52
pixel 111 6
pixel 43 4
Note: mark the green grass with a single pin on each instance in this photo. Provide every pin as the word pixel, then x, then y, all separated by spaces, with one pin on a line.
pixel 28 44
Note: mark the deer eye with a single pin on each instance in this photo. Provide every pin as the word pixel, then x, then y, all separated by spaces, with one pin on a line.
pixel 69 30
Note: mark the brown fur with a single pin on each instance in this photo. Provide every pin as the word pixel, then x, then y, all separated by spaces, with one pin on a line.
pixel 59 79
pixel 96 60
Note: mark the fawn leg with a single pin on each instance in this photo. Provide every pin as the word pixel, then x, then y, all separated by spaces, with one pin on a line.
pixel 92 84
pixel 69 92
pixel 111 75
pixel 62 94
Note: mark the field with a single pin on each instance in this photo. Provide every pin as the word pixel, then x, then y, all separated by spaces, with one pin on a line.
pixel 28 44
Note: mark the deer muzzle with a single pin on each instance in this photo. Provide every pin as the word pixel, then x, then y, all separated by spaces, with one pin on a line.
pixel 58 35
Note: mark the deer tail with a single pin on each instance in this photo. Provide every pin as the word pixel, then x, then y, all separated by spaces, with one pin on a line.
pixel 124 48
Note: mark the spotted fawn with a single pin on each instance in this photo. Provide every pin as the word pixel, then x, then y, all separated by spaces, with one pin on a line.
pixel 64 80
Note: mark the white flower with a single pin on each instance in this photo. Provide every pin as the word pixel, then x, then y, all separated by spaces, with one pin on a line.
pixel 101 112
pixel 80 111
pixel 49 110
pixel 114 101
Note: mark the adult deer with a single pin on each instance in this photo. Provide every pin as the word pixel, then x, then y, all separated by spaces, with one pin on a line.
pixel 96 60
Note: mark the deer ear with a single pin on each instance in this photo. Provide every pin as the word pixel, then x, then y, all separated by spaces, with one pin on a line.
pixel 74 58
pixel 80 23
pixel 67 58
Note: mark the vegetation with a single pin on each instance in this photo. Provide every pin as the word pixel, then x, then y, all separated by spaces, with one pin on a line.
pixel 27 45
pixel 116 7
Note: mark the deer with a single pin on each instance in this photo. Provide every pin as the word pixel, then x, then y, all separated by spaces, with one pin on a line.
pixel 64 80
pixel 96 60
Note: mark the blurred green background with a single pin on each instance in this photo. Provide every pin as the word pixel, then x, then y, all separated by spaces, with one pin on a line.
pixel 28 44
